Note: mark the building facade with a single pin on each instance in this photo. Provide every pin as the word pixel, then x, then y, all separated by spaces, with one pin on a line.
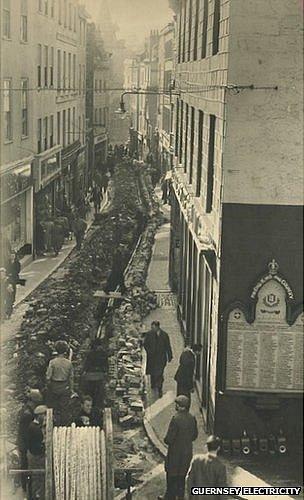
pixel 97 98
pixel 166 69
pixel 236 211
pixel 43 140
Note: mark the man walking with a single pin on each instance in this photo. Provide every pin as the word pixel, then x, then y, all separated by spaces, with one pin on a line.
pixel 159 352
pixel 181 433
pixel 207 470
pixel 185 373
pixel 79 227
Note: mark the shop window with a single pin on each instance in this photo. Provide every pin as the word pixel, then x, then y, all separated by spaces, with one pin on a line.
pixel 210 173
pixel 7 106
pixel 24 107
pixel 39 135
pixel 39 76
pixel 51 131
pixel 205 28
pixel 46 63
pixel 192 136
pixel 200 152
pixel 216 27
pixel 52 67
pixel 45 132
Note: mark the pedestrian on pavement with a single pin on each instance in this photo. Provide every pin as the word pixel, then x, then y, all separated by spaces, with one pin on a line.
pixel 159 352
pixel 96 198
pixel 36 450
pixel 95 370
pixel 207 470
pixel 26 416
pixel 4 293
pixel 181 433
pixel 164 188
pixel 40 239
pixel 185 372
pixel 60 383
pixel 58 238
pixel 79 227
pixel 13 271
pixel 89 416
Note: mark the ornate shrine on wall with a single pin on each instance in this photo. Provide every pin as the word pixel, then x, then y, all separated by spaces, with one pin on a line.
pixel 265 345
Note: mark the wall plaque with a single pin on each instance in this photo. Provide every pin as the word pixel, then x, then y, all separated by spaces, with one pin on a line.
pixel 267 354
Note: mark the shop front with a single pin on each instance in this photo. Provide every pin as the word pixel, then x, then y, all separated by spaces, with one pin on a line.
pixel 17 210
pixel 70 174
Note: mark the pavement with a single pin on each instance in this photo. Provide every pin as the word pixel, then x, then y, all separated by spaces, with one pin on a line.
pixel 159 412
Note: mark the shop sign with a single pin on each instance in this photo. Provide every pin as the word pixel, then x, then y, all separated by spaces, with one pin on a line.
pixel 267 354
pixel 15 181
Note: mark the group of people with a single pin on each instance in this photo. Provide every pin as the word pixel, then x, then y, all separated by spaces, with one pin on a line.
pixel 183 471
pixel 59 395
pixel 9 279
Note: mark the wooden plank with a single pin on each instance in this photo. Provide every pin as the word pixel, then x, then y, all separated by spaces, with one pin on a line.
pixel 108 428
pixel 49 455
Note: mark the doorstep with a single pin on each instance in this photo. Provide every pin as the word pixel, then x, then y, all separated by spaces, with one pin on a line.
pixel 25 261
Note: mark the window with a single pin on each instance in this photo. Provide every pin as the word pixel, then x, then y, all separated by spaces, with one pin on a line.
pixel 52 8
pixel 200 152
pixel 79 79
pixel 75 18
pixel 216 27
pixel 192 136
pixel 23 21
pixel 6 18
pixel 65 13
pixel 52 67
pixel 40 5
pixel 46 63
pixel 83 128
pixel 83 79
pixel 210 173
pixel 205 28
pixel 196 27
pixel 64 70
pixel 181 118
pixel 46 7
pixel 190 30
pixel 74 124
pixel 60 11
pixel 167 120
pixel 184 29
pixel 45 132
pixel 70 16
pixel 64 128
pixel 179 55
pixel 169 49
pixel 79 125
pixel 51 131
pixel 96 117
pixel 69 70
pixel 39 135
pixel 69 126
pixel 58 70
pixel 74 72
pixel 7 106
pixel 186 139
pixel 58 128
pixel 176 128
pixel 167 80
pixel 39 65
pixel 24 107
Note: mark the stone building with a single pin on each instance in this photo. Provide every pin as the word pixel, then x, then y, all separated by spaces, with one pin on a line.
pixel 236 250
pixel 43 141
pixel 166 63
pixel 97 98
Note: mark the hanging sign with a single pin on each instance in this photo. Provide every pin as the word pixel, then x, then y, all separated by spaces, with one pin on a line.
pixel 267 354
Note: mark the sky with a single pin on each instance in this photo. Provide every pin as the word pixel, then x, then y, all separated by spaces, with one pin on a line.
pixel 135 18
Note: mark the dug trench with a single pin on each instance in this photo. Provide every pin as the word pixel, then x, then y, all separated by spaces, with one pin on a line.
pixel 64 307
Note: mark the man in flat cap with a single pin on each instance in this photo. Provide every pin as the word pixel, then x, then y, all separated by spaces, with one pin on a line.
pixel 26 416
pixel 207 470
pixel 181 433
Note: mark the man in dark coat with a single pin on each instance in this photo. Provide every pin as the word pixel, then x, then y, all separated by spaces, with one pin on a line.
pixel 181 433
pixel 185 372
pixel 207 470
pixel 159 352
